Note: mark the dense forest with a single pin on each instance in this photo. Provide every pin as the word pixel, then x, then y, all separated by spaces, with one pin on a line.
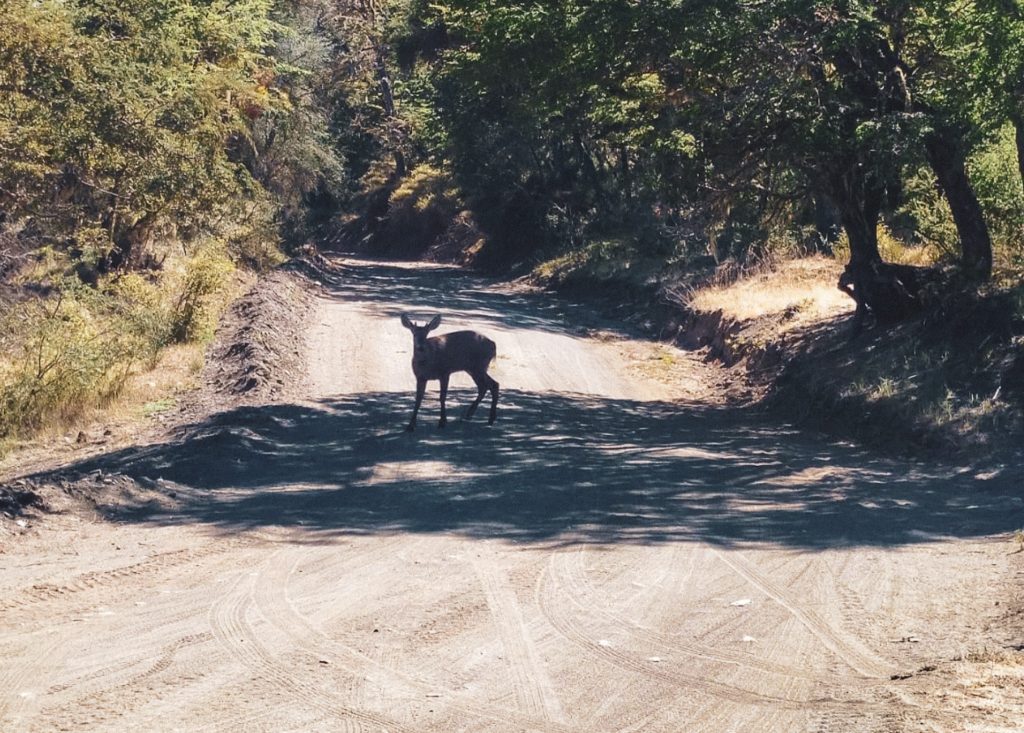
pixel 150 148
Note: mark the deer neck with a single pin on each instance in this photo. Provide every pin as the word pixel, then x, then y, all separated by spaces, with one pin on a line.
pixel 424 358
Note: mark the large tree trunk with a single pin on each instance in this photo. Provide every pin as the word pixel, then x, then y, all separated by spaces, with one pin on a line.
pixel 129 244
pixel 388 98
pixel 889 292
pixel 946 157
pixel 858 197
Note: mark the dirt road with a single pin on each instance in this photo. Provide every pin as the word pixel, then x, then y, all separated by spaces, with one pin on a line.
pixel 614 555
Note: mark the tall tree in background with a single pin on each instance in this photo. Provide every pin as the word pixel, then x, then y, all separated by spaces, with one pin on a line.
pixel 367 120
pixel 988 38
pixel 926 44
pixel 127 127
pixel 848 90
pixel 556 116
pixel 290 150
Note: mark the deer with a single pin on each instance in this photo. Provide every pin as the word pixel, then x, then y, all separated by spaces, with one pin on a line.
pixel 438 357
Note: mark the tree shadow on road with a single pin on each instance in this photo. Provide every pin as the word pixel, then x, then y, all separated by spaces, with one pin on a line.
pixel 556 468
pixel 390 290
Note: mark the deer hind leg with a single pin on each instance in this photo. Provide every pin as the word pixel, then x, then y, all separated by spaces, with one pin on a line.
pixel 482 386
pixel 421 386
pixel 494 401
pixel 444 396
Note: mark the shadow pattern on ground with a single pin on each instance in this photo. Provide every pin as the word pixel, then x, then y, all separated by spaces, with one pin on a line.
pixel 390 290
pixel 556 469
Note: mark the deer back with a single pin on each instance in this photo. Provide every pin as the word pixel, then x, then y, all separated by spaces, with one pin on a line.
pixel 460 351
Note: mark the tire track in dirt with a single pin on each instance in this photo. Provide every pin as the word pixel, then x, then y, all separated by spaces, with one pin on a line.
pixel 667 574
pixel 663 571
pixel 533 690
pixel 832 679
pixel 564 621
pixel 167 653
pixel 17 686
pixel 108 702
pixel 358 567
pixel 236 635
pixel 95 580
pixel 164 618
pixel 660 575
pixel 272 599
pixel 569 576
pixel 847 648
pixel 713 713
pixel 29 669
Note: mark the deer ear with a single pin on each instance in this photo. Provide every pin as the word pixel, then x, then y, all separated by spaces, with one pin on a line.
pixel 434 323
pixel 406 322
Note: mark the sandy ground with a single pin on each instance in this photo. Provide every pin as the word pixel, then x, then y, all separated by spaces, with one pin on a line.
pixel 617 553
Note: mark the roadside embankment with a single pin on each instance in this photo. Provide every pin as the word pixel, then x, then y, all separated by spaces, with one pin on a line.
pixel 948 384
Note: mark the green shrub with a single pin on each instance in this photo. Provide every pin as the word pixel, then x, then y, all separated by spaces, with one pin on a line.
pixel 420 210
pixel 892 249
pixel 995 177
pixel 65 354
pixel 194 317
pixel 75 349
pixel 253 239
pixel 141 306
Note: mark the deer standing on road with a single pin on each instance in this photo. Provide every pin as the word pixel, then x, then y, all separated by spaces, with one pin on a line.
pixel 438 357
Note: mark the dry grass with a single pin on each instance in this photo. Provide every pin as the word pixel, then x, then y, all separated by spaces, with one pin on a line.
pixel 146 382
pixel 176 372
pixel 147 399
pixel 802 290
pixel 991 685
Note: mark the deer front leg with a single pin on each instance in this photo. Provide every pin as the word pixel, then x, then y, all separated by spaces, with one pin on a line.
pixel 444 395
pixel 421 386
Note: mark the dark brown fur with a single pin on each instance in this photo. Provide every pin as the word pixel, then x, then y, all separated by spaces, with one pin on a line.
pixel 439 357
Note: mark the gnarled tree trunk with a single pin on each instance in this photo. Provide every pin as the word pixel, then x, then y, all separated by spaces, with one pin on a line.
pixel 128 244
pixel 857 195
pixel 947 159
pixel 889 292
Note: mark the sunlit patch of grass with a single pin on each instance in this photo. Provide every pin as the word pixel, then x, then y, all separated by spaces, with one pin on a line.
pixel 177 371
pixel 618 260
pixel 892 249
pixel 660 362
pixel 796 291
pixel 885 389
pixel 158 406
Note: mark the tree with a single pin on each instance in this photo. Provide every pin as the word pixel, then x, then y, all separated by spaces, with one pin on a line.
pixel 118 115
pixel 556 116
pixel 846 92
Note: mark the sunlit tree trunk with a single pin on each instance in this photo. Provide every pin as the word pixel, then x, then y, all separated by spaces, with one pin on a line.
pixel 388 99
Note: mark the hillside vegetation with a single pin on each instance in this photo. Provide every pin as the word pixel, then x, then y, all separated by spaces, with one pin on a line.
pixel 148 150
